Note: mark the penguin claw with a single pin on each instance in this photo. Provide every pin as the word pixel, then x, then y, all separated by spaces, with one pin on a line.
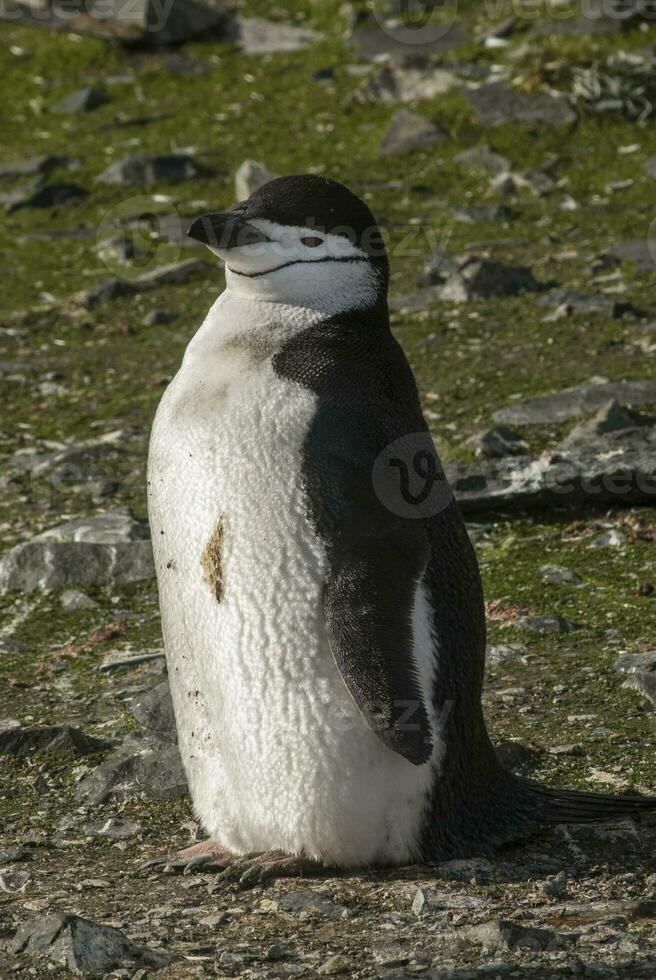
pixel 258 869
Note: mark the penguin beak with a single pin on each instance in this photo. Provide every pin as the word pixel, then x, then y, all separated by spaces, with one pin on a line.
pixel 224 230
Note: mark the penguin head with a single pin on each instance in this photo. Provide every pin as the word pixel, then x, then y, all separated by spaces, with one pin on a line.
pixel 302 240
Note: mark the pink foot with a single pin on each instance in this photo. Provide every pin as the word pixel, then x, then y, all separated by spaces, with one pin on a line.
pixel 206 854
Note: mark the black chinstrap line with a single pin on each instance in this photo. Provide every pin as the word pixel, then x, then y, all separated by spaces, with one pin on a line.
pixel 285 265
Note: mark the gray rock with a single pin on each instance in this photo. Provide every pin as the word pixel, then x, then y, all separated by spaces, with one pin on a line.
pixel 156 657
pixel 34 166
pixel 373 39
pixel 609 539
pixel 644 684
pixel 23 742
pixel 45 196
pixel 390 955
pixel 479 278
pixel 650 167
pixel 110 289
pixel 83 946
pixel 483 212
pixel 398 83
pixel 556 887
pixel 7 645
pixel 481 157
pixel 501 653
pixel 255 35
pixel 116 828
pixel 611 417
pixel 87 551
pixel 154 710
pixel 304 899
pixel 14 881
pixel 51 565
pixel 135 233
pixel 505 934
pixel 557 574
pixel 146 762
pixel 157 317
pixel 14 198
pixel 9 724
pixel 494 103
pixel 576 301
pixel 636 663
pixel 537 181
pixel 179 63
pixel 335 965
pixel 113 527
pixel 550 623
pixel 410 131
pixel 635 250
pixel 122 247
pixel 73 465
pixel 73 601
pixel 12 855
pixel 580 400
pixel 438 267
pixel 151 168
pixel 570 749
pixel 498 442
pixel 84 100
pixel 250 176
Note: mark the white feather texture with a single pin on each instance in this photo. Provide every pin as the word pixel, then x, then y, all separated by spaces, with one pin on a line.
pixel 277 754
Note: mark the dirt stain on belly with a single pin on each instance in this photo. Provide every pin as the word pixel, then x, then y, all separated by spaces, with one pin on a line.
pixel 211 559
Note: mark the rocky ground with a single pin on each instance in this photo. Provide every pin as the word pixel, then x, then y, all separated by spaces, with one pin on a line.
pixel 512 162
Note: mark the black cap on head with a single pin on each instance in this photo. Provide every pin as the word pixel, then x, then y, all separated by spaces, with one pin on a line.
pixel 321 204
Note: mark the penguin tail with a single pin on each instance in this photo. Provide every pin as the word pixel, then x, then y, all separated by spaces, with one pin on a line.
pixel 577 806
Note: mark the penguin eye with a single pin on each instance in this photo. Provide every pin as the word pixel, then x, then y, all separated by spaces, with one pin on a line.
pixel 312 242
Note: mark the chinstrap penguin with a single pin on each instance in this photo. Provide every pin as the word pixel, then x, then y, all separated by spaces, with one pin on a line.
pixel 321 603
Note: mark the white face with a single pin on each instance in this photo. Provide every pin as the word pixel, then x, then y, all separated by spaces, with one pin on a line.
pixel 301 267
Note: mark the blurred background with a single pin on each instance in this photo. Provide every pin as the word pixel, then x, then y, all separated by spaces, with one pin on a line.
pixel 508 150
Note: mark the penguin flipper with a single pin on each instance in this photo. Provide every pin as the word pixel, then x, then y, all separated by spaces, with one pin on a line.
pixel 368 615
pixel 376 562
pixel 367 399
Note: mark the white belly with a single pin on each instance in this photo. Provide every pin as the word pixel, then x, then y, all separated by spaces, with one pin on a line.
pixel 276 752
